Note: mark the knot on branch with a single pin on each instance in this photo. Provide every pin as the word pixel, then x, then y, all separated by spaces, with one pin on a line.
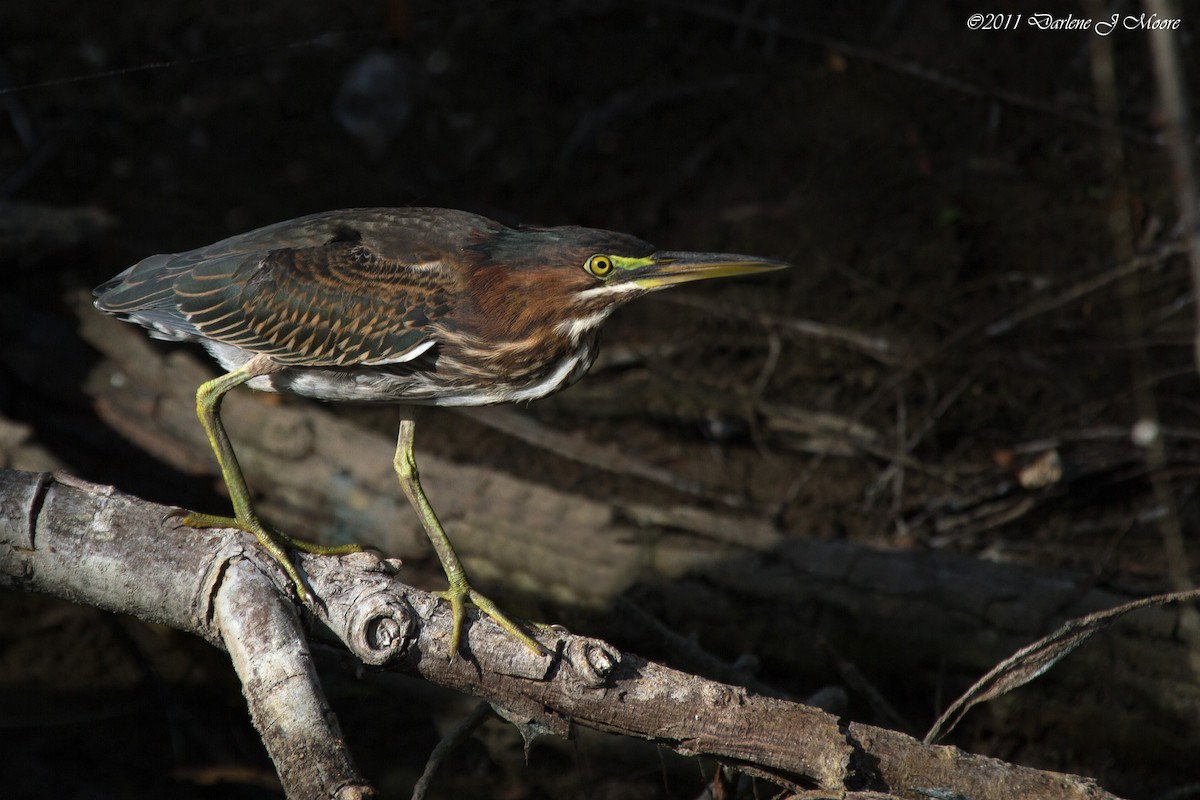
pixel 363 605
pixel 379 627
pixel 592 661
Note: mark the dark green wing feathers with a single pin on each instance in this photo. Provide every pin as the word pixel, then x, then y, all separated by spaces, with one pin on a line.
pixel 321 306
pixel 316 292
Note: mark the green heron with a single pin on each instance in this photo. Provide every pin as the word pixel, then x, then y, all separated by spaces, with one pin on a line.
pixel 412 306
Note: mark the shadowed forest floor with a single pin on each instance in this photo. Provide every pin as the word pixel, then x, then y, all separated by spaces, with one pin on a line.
pixel 988 294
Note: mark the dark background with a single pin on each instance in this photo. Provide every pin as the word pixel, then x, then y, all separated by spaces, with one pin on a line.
pixel 924 178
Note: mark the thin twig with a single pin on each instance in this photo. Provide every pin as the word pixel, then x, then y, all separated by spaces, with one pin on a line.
pixel 907 68
pixel 609 459
pixel 875 347
pixel 479 715
pixel 1132 266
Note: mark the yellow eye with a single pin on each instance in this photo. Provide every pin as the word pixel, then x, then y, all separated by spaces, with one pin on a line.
pixel 599 266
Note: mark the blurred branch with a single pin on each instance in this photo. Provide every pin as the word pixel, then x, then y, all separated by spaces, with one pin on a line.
pixel 1125 268
pixel 93 545
pixel 1168 71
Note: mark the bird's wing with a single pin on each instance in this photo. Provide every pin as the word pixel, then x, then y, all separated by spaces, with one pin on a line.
pixel 341 288
pixel 335 304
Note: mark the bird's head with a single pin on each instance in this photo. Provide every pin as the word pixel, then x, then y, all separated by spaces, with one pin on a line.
pixel 571 275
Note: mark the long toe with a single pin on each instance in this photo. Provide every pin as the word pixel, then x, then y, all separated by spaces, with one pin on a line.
pixel 515 630
pixel 194 520
pixel 317 549
pixel 459 597
pixel 272 541
pixel 458 611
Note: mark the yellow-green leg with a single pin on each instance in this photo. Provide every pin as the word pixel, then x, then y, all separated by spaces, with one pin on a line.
pixel 208 409
pixel 460 591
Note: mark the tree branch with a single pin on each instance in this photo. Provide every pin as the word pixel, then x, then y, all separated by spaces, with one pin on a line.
pixel 93 545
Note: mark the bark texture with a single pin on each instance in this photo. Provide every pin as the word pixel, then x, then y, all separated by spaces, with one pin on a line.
pixel 94 545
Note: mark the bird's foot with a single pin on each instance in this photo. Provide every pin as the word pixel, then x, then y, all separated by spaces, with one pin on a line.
pixel 273 541
pixel 458 597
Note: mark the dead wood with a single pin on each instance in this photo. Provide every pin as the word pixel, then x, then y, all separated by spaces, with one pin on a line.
pixel 920 622
pixel 94 545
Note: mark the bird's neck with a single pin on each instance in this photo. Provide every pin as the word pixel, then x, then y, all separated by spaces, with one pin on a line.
pixel 582 328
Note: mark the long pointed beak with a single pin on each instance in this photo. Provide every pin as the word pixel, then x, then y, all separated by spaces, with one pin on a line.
pixel 669 268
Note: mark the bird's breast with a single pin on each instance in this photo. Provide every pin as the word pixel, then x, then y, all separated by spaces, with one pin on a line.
pixel 454 372
pixel 515 371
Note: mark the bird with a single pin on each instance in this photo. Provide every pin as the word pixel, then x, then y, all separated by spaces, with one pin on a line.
pixel 411 306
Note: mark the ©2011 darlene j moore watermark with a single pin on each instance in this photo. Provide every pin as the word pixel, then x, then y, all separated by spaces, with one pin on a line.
pixel 1050 22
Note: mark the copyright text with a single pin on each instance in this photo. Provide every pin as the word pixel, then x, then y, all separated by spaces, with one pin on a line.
pixel 1070 22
